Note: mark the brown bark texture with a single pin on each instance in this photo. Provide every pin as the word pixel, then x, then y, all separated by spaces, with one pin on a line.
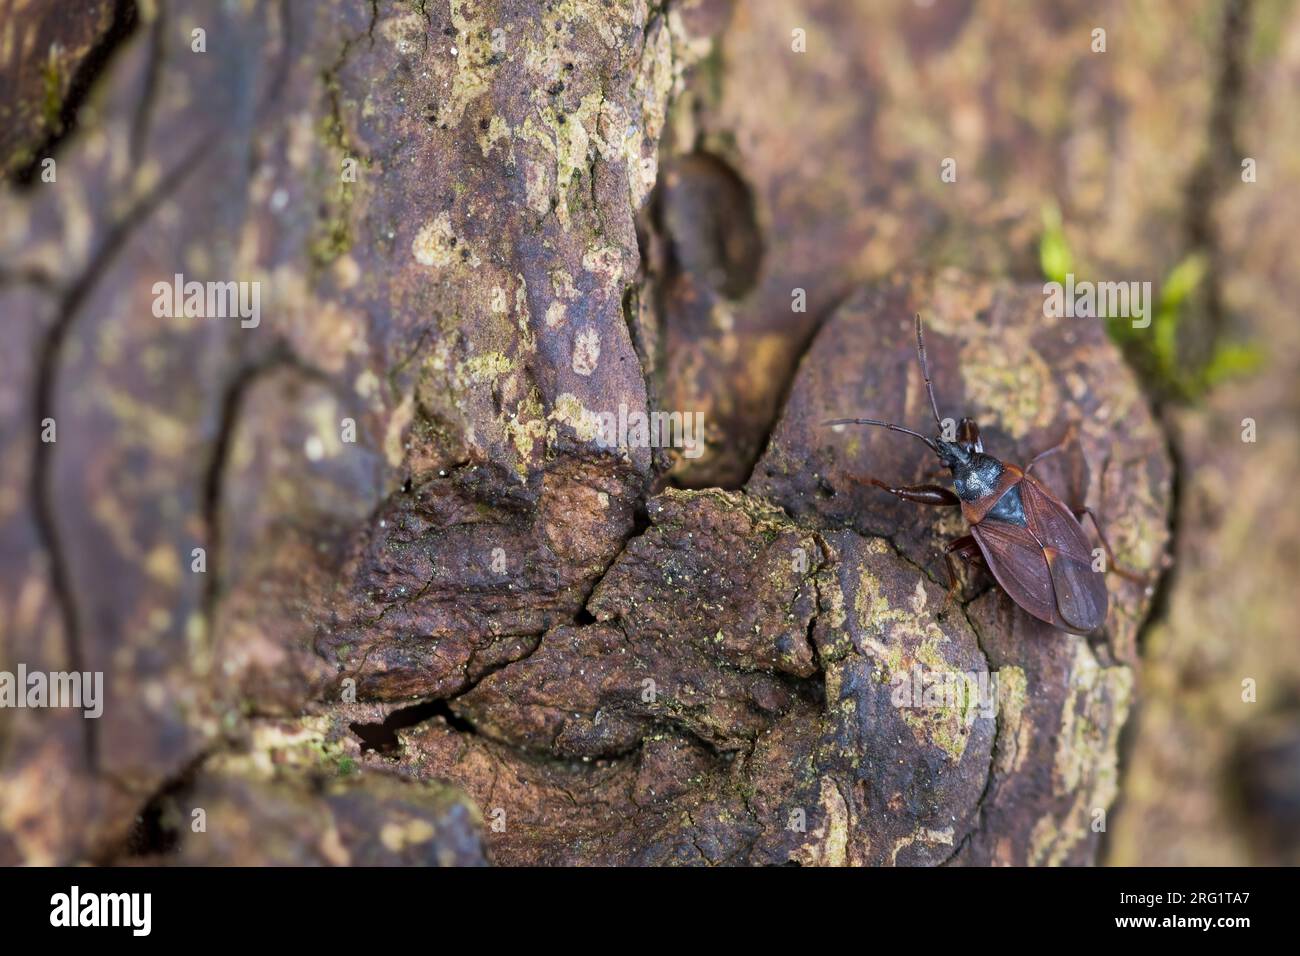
pixel 363 583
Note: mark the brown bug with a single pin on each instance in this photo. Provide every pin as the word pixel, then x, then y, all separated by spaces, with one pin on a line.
pixel 1032 543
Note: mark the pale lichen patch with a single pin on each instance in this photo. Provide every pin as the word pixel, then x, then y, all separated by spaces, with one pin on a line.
pixel 570 411
pixel 324 418
pixel 405 31
pixel 397 836
pixel 902 638
pixel 395 433
pixel 438 246
pixel 571 140
pixel 562 285
pixel 555 314
pixel 827 844
pixel 475 61
pixel 942 837
pixel 487 367
pixel 606 263
pixel 1006 379
pixel 526 427
pixel 303 743
pixel 497 131
pixel 1085 766
pixel 586 351
pixel 1013 730
pixel 653 85
pixel 537 189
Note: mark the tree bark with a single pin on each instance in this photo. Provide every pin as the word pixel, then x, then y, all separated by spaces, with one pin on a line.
pixel 359 573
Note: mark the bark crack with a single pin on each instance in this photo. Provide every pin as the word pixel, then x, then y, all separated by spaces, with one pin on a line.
pixel 44 505
pixel 92 67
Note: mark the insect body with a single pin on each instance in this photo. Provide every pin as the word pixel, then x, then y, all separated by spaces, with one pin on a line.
pixel 1032 543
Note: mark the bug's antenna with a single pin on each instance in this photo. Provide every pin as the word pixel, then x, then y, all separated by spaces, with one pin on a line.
pixel 925 372
pixel 890 425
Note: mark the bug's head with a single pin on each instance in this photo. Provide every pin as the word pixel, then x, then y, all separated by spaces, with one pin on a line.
pixel 961 453
pixel 953 455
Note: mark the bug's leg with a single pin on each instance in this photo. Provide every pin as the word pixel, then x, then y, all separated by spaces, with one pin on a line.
pixel 920 494
pixel 968 550
pixel 1113 565
pixel 1071 432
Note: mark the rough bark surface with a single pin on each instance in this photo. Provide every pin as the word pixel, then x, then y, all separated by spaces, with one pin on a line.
pixel 1214 765
pixel 472 633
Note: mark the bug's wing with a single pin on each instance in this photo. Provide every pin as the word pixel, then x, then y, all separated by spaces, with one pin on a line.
pixel 1016 559
pixel 1081 597
pixel 1080 593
